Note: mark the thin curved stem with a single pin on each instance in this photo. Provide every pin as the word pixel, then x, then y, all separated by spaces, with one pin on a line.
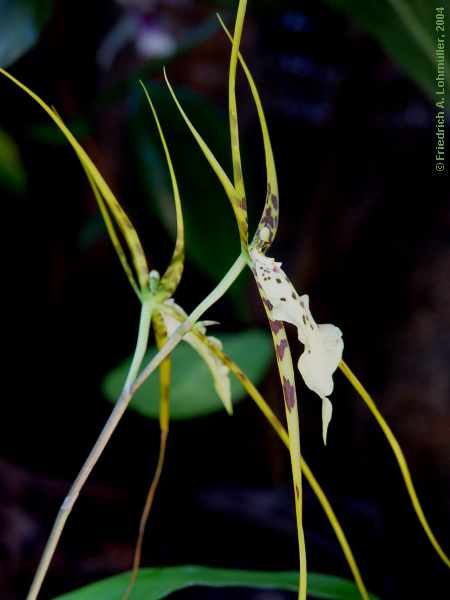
pixel 145 514
pixel 94 455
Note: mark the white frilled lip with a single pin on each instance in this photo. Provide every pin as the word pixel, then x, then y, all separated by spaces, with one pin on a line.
pixel 219 371
pixel 323 344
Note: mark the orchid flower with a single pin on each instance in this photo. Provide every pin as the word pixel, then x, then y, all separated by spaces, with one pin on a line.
pixel 159 308
pixel 323 344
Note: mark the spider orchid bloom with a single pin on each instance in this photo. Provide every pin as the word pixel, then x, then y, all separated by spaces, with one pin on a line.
pixel 321 358
pixel 154 292
pixel 158 308
pixel 323 344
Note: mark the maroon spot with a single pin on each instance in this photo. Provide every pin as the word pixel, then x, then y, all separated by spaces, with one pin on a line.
pixel 268 303
pixel 275 201
pixel 281 348
pixel 297 491
pixel 268 218
pixel 276 326
pixel 289 394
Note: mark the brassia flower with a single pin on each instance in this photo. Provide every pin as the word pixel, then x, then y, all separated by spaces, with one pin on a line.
pixel 159 309
pixel 155 295
pixel 323 345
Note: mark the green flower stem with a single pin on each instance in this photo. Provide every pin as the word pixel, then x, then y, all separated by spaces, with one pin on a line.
pixel 94 455
pixel 121 406
pixel 142 341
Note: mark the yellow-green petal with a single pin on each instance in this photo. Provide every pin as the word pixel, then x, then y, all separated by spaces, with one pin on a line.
pixel 267 227
pixel 126 227
pixel 232 109
pixel 172 276
pixel 240 211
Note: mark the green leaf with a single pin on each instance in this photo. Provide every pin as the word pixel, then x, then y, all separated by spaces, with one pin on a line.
pixel 12 173
pixel 155 584
pixel 192 391
pixel 21 22
pixel 406 31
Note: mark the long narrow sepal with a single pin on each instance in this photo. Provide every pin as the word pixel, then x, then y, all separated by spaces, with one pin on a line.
pixel 240 211
pixel 267 227
pixel 286 371
pixel 400 458
pixel 233 118
pixel 109 224
pixel 123 222
pixel 172 276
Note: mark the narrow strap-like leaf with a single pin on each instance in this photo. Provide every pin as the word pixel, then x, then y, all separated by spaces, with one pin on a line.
pixel 400 458
pixel 232 109
pixel 267 227
pixel 126 227
pixel 172 276
pixel 164 412
pixel 240 210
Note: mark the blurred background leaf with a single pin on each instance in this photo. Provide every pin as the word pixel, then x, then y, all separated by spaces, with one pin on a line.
pixel 406 31
pixel 12 173
pixel 21 22
pixel 192 390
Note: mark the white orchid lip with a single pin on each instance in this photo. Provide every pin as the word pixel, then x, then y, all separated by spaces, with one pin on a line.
pixel 323 343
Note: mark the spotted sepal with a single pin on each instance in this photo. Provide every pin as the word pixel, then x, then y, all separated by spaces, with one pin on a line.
pixel 232 108
pixel 107 201
pixel 237 203
pixel 172 276
pixel 286 371
pixel 267 227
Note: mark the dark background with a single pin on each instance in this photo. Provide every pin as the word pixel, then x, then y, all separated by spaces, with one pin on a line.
pixel 364 230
